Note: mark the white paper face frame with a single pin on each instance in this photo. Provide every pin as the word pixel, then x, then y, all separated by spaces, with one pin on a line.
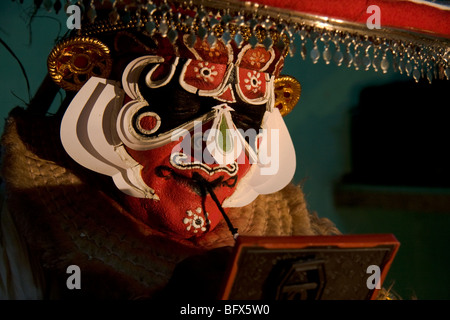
pixel 89 135
pixel 132 72
pixel 153 84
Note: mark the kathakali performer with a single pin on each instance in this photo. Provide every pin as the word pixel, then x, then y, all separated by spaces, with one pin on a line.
pixel 170 144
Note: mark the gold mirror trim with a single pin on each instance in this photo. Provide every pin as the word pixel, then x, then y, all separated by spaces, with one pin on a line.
pixel 72 62
pixel 287 93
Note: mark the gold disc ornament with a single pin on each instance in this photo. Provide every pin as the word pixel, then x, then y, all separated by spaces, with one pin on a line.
pixel 72 62
pixel 287 93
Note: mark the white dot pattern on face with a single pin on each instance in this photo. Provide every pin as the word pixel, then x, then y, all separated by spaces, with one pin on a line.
pixel 194 222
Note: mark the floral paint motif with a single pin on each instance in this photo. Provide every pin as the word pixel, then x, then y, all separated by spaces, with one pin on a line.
pixel 203 77
pixel 257 58
pixel 202 50
pixel 253 82
pixel 195 222
pixel 253 86
pixel 205 71
pixel 215 53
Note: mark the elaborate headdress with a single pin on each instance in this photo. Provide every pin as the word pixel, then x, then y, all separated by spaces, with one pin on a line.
pixel 410 37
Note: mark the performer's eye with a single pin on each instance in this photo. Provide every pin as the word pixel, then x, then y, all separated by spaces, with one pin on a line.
pixel 244 122
pixel 247 116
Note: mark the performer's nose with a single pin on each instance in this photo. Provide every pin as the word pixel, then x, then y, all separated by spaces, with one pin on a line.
pixel 224 142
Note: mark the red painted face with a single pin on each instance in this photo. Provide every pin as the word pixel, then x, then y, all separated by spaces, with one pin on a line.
pixel 183 179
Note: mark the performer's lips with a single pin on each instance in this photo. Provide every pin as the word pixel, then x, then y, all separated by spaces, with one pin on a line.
pixel 195 182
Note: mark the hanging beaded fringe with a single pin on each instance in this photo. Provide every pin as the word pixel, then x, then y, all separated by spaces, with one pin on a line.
pixel 383 55
pixel 343 45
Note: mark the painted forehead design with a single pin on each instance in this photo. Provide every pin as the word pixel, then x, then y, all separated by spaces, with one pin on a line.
pixel 208 69
pixel 160 103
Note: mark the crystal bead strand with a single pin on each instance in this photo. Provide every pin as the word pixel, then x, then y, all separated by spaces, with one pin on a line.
pixel 303 33
pixel 315 52
pixel 326 54
pixel 338 56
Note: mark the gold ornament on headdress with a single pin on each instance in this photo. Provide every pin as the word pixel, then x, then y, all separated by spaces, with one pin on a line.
pixel 287 93
pixel 72 62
